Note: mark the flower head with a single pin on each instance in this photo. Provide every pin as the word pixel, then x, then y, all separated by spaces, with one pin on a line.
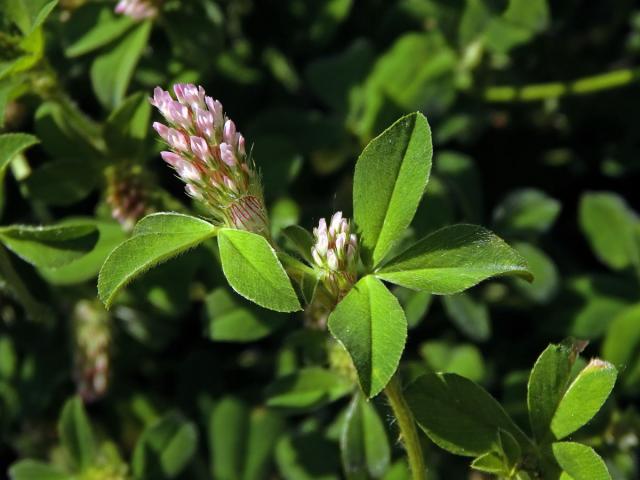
pixel 92 349
pixel 335 253
pixel 137 9
pixel 208 154
pixel 128 195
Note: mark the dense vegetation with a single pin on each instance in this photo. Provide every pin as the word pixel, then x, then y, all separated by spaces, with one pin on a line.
pixel 420 259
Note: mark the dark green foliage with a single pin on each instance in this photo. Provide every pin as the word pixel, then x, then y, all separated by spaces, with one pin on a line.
pixel 486 154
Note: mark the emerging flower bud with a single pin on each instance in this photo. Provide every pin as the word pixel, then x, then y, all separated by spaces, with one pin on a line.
pixel 128 193
pixel 92 349
pixel 209 155
pixel 138 9
pixel 335 254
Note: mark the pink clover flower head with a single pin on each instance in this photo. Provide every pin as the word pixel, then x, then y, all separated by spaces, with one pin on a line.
pixel 209 156
pixel 138 10
pixel 335 253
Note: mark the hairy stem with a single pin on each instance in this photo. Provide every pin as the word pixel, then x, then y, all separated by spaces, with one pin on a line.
pixel 407 426
pixel 580 86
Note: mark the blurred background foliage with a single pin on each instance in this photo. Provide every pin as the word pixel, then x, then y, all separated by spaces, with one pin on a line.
pixel 531 104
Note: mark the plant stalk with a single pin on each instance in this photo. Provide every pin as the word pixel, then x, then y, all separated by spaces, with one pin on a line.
pixel 545 91
pixel 407 426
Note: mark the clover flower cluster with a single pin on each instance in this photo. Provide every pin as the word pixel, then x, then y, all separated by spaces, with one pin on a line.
pixel 127 195
pixel 335 253
pixel 137 9
pixel 210 157
pixel 92 350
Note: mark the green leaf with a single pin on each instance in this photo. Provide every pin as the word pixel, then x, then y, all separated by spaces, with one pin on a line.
pixel 230 319
pixel 228 430
pixel 579 462
pixel 608 224
pixel 415 73
pixel 300 240
pixel 415 304
pixel 156 238
pixel 106 29
pixel 453 259
pixel 363 442
pixel 459 415
pixel 35 470
pixel 503 460
pixel 584 397
pixel 591 302
pixel 469 315
pixel 8 358
pixel 11 144
pixel 76 434
pixel 510 448
pixel 111 72
pixel 546 279
pixel 13 285
pixel 127 127
pixel 464 360
pixel 622 346
pixel 265 428
pixel 50 246
pixel 334 90
pixel 517 25
pixel 547 383
pixel 254 271
pixel 241 441
pixel 307 456
pixel 389 180
pixel 527 212
pixel 283 213
pixel 371 325
pixel 490 462
pixel 307 389
pixel 64 182
pixel 88 266
pixel 67 134
pixel 165 448
pixel 29 14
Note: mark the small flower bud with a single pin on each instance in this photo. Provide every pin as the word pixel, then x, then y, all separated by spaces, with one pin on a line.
pixel 179 114
pixel 199 148
pixel 162 130
pixel 171 158
pixel 189 94
pixel 204 122
pixel 229 132
pixel 215 107
pixel 188 172
pixel 341 240
pixel 332 260
pixel 336 221
pixel 322 244
pixel 241 147
pixel 177 141
pixel 226 154
pixel 316 256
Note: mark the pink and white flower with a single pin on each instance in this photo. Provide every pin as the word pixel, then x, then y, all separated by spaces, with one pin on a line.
pixel 138 9
pixel 209 155
pixel 335 254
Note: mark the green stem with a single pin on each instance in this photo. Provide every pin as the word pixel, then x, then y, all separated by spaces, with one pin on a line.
pixel 407 426
pixel 580 86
